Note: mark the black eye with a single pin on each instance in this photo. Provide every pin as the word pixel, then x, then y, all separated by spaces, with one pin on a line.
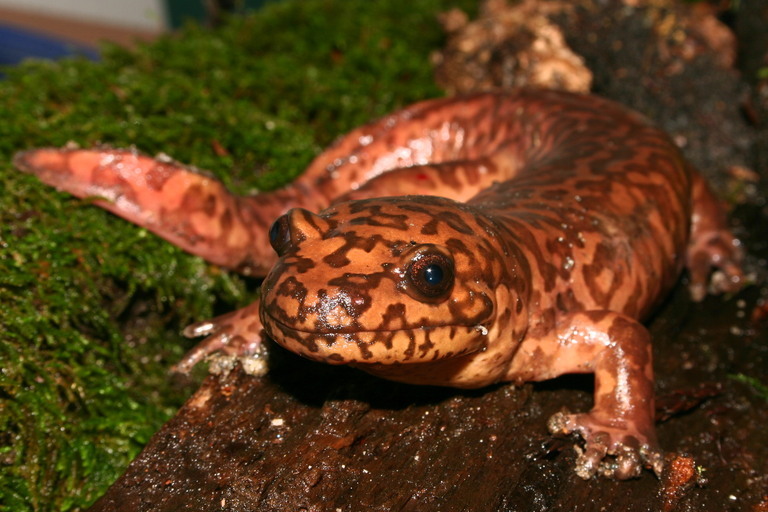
pixel 430 275
pixel 280 235
pixel 433 274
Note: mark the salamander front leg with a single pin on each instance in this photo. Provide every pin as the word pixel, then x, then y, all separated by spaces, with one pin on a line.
pixel 619 432
pixel 236 335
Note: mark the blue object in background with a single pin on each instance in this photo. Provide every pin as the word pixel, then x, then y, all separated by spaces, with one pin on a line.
pixel 18 44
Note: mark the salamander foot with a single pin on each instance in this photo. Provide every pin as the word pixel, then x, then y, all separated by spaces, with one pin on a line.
pixel 610 451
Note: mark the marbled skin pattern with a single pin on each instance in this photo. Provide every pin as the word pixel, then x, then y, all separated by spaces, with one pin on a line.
pixel 460 242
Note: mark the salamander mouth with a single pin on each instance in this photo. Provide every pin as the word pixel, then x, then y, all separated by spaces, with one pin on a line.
pixel 405 345
pixel 346 331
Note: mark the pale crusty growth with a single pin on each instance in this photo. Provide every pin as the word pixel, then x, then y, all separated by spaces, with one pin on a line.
pixel 509 45
pixel 458 242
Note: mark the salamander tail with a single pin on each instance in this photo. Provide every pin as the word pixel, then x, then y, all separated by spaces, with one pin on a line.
pixel 179 203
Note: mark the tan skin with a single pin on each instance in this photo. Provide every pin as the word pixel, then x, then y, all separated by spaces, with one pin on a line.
pixel 459 242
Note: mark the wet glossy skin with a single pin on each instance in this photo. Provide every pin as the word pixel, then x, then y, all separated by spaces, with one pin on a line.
pixel 459 242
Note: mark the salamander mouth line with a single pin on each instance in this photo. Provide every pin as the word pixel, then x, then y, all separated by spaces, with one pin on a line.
pixel 481 327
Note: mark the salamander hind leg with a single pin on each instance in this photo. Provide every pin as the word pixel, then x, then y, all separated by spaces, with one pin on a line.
pixel 711 246
pixel 619 434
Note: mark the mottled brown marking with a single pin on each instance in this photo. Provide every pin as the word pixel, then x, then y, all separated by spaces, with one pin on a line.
pixel 195 199
pixel 226 221
pixel 158 175
pixel 209 205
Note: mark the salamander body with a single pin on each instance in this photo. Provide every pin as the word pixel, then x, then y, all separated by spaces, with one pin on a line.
pixel 460 242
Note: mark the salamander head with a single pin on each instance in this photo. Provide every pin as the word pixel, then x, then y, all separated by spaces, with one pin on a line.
pixel 382 281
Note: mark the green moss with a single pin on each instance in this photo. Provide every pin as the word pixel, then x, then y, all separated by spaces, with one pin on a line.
pixel 91 306
pixel 758 387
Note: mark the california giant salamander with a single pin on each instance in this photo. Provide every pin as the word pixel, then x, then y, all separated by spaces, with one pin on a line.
pixel 465 241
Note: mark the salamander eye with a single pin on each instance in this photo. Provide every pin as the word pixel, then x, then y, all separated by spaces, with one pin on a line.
pixel 430 275
pixel 280 235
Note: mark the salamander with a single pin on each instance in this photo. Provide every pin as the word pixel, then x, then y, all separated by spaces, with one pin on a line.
pixel 500 237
